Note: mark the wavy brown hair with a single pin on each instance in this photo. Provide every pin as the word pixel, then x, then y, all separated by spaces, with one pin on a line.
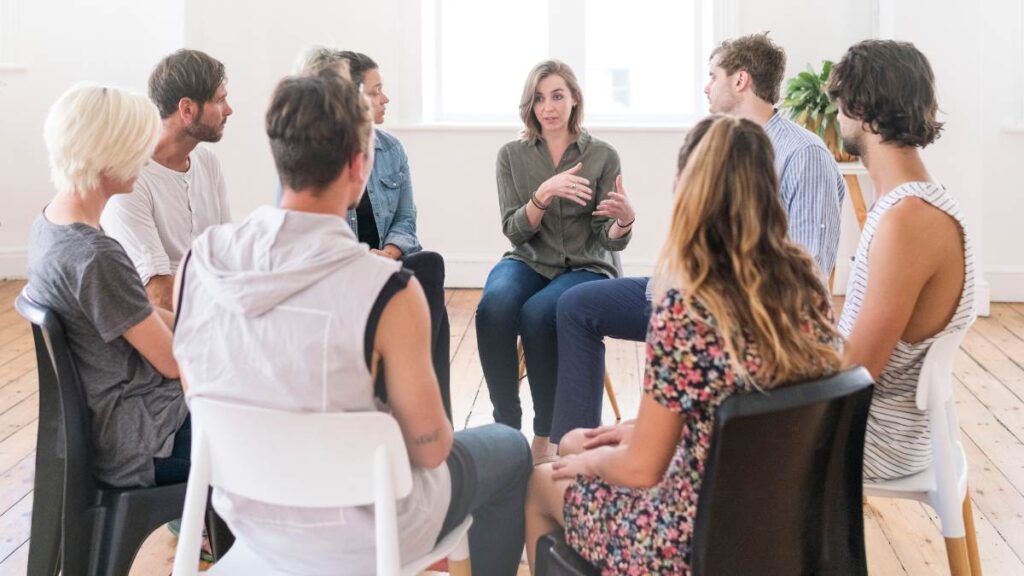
pixel 889 86
pixel 727 249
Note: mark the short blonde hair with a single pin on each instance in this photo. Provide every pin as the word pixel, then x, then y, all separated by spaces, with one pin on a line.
pixel 531 126
pixel 314 59
pixel 92 130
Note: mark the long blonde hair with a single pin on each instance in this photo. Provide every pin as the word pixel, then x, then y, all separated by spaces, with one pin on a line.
pixel 727 249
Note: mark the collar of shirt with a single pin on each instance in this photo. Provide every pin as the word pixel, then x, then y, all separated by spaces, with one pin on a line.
pixel 582 141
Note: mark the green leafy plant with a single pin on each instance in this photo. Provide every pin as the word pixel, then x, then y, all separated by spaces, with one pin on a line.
pixel 808 105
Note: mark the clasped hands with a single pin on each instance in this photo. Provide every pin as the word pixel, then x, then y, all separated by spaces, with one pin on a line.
pixel 598 442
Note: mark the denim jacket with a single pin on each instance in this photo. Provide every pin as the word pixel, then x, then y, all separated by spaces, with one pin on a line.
pixel 390 190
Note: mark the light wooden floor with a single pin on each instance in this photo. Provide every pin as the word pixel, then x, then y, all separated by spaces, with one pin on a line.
pixel 902 537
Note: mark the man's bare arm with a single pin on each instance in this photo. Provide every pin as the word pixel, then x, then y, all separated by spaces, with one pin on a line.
pixel 159 289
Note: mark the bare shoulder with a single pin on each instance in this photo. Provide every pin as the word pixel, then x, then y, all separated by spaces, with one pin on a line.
pixel 913 222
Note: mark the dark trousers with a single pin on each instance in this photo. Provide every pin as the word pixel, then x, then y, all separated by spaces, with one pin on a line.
pixel 520 302
pixel 490 467
pixel 428 267
pixel 586 314
pixel 174 468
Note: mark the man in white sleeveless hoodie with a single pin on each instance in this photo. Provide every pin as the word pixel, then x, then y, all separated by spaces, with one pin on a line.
pixel 913 277
pixel 287 310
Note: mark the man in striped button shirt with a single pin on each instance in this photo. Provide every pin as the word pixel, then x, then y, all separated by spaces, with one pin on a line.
pixel 746 74
pixel 745 77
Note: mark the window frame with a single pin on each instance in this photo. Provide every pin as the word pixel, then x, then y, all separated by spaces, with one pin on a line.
pixel 720 26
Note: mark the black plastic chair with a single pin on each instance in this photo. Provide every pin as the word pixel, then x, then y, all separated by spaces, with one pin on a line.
pixel 78 526
pixel 782 485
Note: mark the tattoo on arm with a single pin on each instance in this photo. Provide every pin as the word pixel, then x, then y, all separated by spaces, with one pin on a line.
pixel 426 438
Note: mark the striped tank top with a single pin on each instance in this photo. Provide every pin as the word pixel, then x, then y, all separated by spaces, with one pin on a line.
pixel 898 439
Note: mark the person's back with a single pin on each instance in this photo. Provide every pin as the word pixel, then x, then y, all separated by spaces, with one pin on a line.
pixel 295 316
pixel 120 345
pixel 739 308
pixel 287 310
pixel 913 275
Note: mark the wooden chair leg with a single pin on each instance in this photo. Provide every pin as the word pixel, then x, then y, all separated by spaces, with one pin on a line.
pixel 971 536
pixel 611 396
pixel 956 551
pixel 521 355
pixel 459 567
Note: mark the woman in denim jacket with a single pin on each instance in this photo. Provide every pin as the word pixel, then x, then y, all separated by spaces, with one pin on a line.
pixel 385 218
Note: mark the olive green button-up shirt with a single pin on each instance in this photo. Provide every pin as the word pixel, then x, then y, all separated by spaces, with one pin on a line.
pixel 569 237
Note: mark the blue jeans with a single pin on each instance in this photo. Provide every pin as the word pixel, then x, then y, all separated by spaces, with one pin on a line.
pixel 586 314
pixel 490 467
pixel 518 301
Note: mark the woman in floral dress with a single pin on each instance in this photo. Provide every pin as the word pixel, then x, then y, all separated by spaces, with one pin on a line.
pixel 739 308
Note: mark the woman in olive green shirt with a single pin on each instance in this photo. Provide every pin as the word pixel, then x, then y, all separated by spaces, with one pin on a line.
pixel 564 210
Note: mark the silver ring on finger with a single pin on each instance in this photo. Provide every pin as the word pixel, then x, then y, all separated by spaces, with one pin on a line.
pixel 573 186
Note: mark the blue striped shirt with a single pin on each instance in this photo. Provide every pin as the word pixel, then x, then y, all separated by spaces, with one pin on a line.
pixel 811 188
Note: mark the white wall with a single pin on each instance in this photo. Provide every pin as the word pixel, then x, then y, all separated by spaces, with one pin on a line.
pixel 975 50
pixel 106 41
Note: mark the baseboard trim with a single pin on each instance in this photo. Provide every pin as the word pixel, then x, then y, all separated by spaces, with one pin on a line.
pixel 1006 283
pixel 12 263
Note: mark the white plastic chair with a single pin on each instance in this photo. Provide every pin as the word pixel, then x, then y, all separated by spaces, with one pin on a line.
pixel 943 486
pixel 243 449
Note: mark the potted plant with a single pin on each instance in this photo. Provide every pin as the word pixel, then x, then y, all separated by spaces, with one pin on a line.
pixel 809 106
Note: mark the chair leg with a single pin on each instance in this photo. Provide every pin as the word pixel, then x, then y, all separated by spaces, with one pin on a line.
pixel 44 553
pixel 956 551
pixel 459 567
pixel 521 355
pixel 611 396
pixel 971 536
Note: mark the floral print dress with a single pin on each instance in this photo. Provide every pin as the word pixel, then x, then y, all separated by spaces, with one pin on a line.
pixel 649 531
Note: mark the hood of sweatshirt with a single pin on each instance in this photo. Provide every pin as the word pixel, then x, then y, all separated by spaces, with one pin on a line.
pixel 260 262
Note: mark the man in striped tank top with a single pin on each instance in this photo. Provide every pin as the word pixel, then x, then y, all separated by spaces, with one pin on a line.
pixel 913 275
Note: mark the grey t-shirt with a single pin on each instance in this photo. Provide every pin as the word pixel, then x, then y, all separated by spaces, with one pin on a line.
pixel 87 279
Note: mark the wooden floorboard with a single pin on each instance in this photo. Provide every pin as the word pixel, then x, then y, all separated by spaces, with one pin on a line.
pixel 901 537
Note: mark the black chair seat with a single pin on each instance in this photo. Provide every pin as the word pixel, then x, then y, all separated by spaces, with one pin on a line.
pixel 78 526
pixel 782 485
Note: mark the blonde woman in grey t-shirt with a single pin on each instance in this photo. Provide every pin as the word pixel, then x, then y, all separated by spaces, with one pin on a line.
pixel 98 139
pixel 564 211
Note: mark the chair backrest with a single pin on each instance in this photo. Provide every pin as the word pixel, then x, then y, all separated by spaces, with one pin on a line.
pixel 64 428
pixel 309 459
pixel 949 462
pixel 935 384
pixel 328 457
pixel 782 483
pixel 617 261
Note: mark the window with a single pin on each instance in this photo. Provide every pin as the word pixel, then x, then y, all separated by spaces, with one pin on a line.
pixel 10 58
pixel 641 62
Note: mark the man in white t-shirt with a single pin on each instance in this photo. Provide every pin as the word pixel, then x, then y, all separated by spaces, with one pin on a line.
pixel 181 192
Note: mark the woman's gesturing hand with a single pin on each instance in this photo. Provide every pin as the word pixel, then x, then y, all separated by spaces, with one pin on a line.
pixel 616 205
pixel 566 185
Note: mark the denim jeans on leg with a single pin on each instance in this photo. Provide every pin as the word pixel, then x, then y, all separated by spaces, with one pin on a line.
pixel 490 467
pixel 518 301
pixel 586 314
